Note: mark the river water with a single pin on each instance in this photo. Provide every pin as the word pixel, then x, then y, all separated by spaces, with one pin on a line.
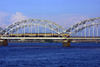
pixel 50 55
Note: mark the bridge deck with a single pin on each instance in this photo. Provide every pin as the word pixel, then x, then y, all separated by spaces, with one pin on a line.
pixel 81 38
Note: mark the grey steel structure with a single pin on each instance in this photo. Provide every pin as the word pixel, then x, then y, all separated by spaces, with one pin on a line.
pixel 79 27
pixel 1 30
pixel 33 22
pixel 84 25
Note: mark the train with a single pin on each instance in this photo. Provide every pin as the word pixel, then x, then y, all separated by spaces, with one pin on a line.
pixel 37 35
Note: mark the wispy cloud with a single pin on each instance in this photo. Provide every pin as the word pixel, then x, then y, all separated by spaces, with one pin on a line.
pixel 3 19
pixel 6 18
pixel 69 20
pixel 65 20
pixel 18 17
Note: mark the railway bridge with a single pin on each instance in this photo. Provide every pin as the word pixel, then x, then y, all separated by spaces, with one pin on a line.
pixel 43 29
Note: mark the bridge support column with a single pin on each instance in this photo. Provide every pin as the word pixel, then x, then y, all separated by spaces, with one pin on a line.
pixel 66 43
pixel 3 43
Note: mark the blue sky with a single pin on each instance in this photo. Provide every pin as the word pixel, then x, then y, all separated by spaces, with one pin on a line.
pixel 62 12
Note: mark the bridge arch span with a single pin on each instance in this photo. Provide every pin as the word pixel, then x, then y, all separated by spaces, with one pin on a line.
pixel 78 27
pixel 33 22
pixel 0 30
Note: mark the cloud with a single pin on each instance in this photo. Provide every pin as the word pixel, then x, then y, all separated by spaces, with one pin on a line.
pixel 3 19
pixel 69 20
pixel 66 20
pixel 17 17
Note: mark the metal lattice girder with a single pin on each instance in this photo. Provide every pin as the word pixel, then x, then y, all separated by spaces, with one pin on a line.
pixel 24 23
pixel 51 25
pixel 82 25
pixel 1 30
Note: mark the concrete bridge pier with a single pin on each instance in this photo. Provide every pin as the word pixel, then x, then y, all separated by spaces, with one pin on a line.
pixel 4 42
pixel 66 43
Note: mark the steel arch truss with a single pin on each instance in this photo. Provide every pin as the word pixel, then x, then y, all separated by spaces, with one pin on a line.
pixel 1 30
pixel 33 22
pixel 83 25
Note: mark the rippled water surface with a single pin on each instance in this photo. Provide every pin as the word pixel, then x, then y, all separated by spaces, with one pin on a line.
pixel 50 55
